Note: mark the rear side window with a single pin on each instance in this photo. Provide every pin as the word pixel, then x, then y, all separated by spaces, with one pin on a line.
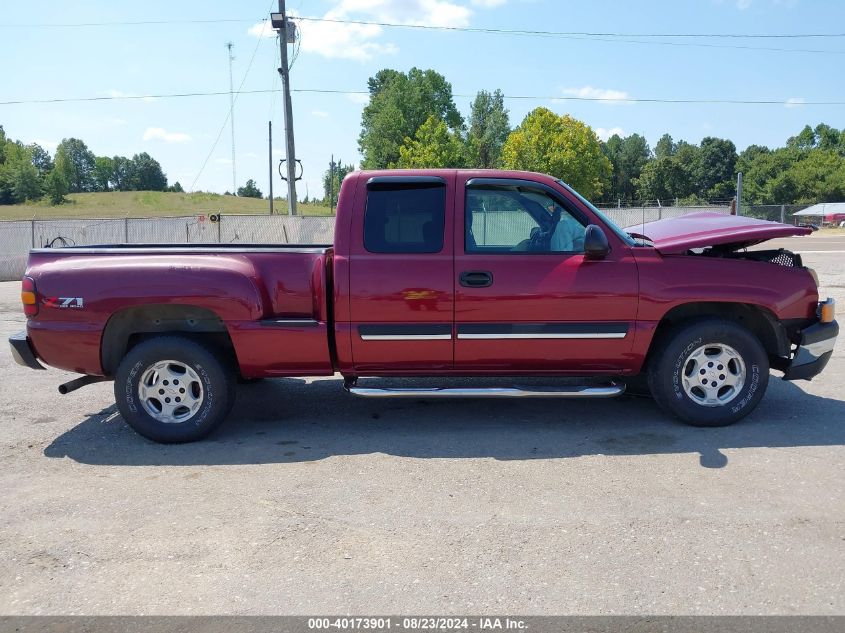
pixel 405 219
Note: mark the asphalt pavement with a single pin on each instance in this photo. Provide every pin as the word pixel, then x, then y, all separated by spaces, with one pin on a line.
pixel 310 501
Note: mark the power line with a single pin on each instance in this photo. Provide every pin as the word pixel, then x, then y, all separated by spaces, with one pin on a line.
pixel 62 25
pixel 457 95
pixel 593 36
pixel 426 26
pixel 587 33
pixel 606 37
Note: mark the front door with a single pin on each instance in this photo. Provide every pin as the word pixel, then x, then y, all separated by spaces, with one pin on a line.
pixel 526 298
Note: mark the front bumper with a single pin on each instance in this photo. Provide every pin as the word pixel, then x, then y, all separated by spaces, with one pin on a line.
pixel 22 351
pixel 814 351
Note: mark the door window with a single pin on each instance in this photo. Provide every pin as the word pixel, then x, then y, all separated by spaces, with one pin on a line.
pixel 519 220
pixel 405 219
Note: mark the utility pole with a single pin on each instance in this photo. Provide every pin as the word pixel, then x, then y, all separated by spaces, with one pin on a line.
pixel 331 184
pixel 230 46
pixel 739 193
pixel 279 21
pixel 270 160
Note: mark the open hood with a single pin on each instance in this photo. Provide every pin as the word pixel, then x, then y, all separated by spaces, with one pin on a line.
pixel 675 236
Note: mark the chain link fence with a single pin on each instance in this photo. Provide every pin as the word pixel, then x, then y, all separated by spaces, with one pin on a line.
pixel 18 236
pixel 773 212
pixel 632 216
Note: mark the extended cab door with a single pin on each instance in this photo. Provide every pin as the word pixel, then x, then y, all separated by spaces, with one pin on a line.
pixel 401 290
pixel 527 300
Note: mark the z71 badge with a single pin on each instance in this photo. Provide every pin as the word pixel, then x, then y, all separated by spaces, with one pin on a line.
pixel 63 302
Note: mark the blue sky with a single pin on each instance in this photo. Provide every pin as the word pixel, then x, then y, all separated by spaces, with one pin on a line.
pixel 183 57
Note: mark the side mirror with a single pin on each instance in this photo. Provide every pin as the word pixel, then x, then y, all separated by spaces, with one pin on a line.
pixel 595 243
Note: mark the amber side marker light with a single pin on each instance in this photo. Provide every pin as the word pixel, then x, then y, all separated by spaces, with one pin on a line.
pixel 827 311
pixel 29 297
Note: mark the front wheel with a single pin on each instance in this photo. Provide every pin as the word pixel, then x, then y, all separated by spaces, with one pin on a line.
pixel 171 389
pixel 710 372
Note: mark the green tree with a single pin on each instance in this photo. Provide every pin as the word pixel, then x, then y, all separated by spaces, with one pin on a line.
pixel 489 127
pixel 40 158
pixel 122 176
pixel 714 168
pixel 332 178
pixel 829 138
pixel 817 177
pixel 434 145
pixel 76 164
pixel 627 157
pixel 26 182
pixel 103 172
pixel 249 190
pixel 804 140
pixel 176 187
pixel 146 174
pixel 399 104
pixel 56 187
pixel 665 147
pixel 19 178
pixel 561 146
pixel 664 179
pixel 751 162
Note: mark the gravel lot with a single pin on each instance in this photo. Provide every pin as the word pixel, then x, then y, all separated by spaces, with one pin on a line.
pixel 309 501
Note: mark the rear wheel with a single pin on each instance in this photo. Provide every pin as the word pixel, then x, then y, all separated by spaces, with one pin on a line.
pixel 710 372
pixel 171 389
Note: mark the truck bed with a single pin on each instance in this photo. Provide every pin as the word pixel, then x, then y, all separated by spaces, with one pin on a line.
pixel 263 297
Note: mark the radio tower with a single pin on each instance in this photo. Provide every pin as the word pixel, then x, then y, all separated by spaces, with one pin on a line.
pixel 230 46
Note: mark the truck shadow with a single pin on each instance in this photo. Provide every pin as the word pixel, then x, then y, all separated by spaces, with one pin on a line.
pixel 289 420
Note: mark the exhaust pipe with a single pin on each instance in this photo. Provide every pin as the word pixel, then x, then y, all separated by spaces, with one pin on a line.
pixel 76 383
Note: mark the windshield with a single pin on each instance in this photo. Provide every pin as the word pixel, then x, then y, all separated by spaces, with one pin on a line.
pixel 622 235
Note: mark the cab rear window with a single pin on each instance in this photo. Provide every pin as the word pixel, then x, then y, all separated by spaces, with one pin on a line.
pixel 405 219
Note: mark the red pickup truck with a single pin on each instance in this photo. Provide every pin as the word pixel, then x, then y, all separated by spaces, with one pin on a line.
pixel 437 273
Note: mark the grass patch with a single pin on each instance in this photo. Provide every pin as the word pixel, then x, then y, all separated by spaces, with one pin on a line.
pixel 143 204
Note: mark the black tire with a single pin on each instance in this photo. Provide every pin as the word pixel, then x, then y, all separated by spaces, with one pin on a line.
pixel 213 390
pixel 671 362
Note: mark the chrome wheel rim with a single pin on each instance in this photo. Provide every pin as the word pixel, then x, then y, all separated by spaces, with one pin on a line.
pixel 713 375
pixel 170 391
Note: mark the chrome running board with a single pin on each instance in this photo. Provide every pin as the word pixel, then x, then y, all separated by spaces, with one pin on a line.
pixel 570 391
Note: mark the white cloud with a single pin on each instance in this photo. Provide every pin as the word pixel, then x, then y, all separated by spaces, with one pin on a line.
pixel 261 29
pixel 604 95
pixel 742 5
pixel 362 42
pixel 115 121
pixel 795 102
pixel 359 98
pixel 223 161
pixel 160 134
pixel 421 12
pixel 320 114
pixel 334 40
pixel 606 133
